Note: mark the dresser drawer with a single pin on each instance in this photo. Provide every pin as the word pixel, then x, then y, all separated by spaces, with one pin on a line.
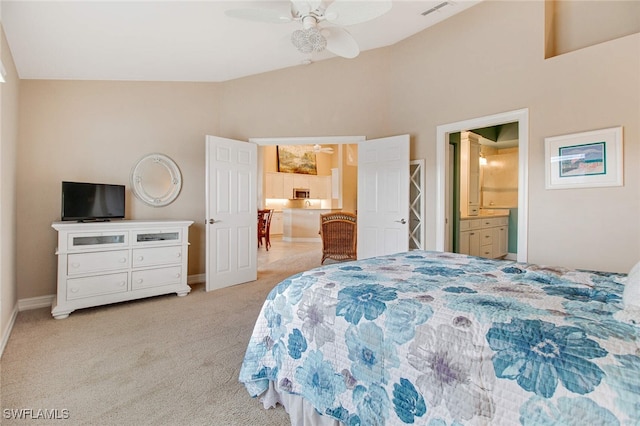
pixel 154 237
pixel 156 277
pixel 97 240
pixel 156 256
pixel 85 263
pixel 77 288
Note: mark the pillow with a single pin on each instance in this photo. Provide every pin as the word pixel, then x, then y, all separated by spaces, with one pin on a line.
pixel 631 297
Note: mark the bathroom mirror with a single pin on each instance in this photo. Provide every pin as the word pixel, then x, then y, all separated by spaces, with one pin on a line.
pixel 156 180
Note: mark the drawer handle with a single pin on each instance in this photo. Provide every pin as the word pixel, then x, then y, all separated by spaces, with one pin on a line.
pixel 140 257
pixel 74 289
pixel 75 265
pixel 179 254
pixel 177 275
pixel 486 236
pixel 123 283
pixel 139 280
pixel 123 260
pixel 472 233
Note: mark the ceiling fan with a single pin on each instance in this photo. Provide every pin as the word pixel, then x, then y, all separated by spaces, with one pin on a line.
pixel 317 149
pixel 322 22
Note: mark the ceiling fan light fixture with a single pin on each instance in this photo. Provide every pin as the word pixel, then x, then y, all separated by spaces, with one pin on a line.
pixel 309 40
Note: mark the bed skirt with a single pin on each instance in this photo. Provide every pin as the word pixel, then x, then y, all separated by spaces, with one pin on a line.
pixel 300 411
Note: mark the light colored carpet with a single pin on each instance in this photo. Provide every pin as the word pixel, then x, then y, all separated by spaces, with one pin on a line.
pixel 165 360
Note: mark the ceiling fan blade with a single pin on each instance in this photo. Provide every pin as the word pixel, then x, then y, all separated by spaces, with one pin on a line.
pixel 350 12
pixel 341 42
pixel 318 148
pixel 259 15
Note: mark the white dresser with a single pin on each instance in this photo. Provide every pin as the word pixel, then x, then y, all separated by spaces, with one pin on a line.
pixel 108 262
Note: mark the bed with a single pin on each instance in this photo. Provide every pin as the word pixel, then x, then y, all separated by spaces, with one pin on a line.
pixel 434 338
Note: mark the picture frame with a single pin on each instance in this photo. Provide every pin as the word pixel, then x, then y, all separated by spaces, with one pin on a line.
pixel 296 159
pixel 584 160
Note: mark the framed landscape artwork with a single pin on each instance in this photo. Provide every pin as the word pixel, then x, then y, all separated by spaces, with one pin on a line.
pixel 297 159
pixel 584 160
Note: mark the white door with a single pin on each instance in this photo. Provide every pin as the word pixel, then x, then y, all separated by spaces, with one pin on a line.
pixel 383 196
pixel 231 212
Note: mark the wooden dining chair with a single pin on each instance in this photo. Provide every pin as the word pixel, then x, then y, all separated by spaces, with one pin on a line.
pixel 264 226
pixel 339 236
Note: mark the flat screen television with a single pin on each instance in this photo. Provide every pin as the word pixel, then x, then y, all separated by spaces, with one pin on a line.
pixel 83 201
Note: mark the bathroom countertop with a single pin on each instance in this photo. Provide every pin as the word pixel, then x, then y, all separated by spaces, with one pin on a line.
pixel 488 213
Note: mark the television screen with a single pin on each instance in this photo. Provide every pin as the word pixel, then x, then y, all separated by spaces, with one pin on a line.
pixel 92 201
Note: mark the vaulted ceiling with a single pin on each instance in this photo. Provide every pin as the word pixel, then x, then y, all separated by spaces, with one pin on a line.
pixel 164 40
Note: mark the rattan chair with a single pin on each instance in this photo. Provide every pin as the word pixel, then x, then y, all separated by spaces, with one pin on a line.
pixel 264 227
pixel 339 236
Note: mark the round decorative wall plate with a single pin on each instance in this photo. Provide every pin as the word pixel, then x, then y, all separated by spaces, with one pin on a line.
pixel 156 180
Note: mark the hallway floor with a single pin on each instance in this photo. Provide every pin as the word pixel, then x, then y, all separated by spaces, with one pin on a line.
pixel 281 249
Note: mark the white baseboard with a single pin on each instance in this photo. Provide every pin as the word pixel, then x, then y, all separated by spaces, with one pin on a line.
pixel 511 256
pixel 35 302
pixel 7 331
pixel 196 278
pixel 47 301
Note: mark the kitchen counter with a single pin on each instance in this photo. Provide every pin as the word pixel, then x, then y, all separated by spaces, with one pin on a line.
pixel 302 225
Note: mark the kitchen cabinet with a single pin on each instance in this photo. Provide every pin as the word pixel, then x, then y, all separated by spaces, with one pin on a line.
pixel 281 185
pixel 320 187
pixel 301 181
pixel 274 185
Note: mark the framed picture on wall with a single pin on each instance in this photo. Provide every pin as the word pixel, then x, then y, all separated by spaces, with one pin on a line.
pixel 584 160
pixel 297 159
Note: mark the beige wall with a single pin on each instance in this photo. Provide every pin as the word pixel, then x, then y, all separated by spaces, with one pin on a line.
pixel 9 93
pixel 486 60
pixel 96 132
pixel 490 59
pixel 324 161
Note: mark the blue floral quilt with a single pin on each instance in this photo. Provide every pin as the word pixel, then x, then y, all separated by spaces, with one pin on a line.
pixel 436 339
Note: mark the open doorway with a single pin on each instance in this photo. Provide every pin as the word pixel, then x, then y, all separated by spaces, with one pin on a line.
pixel 331 186
pixel 483 201
pixel 447 207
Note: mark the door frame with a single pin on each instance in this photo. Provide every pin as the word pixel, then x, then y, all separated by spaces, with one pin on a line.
pixel 521 116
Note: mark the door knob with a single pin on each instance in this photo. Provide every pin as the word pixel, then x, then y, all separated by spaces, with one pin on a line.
pixel 402 221
pixel 212 221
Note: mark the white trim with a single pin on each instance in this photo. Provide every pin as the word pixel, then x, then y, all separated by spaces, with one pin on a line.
pixel 3 73
pixel 421 200
pixel 511 256
pixel 47 301
pixel 442 131
pixel 35 302
pixel 7 331
pixel 308 140
pixel 196 278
